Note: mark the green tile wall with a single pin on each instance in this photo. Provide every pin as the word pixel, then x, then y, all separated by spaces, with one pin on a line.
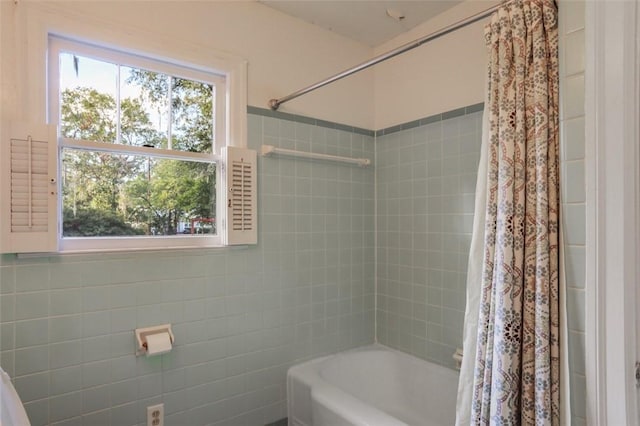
pixel 426 179
pixel 572 182
pixel 241 317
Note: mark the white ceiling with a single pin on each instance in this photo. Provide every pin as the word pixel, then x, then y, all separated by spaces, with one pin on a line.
pixel 363 20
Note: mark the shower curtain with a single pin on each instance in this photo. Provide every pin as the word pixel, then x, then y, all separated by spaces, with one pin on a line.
pixel 511 363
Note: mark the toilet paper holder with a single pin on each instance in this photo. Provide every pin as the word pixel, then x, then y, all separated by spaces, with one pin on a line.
pixel 142 333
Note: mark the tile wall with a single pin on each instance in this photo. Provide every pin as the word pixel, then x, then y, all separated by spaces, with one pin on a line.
pixel 426 177
pixel 419 310
pixel 241 317
pixel 572 51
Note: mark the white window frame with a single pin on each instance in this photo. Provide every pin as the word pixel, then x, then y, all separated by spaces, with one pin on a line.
pixel 190 71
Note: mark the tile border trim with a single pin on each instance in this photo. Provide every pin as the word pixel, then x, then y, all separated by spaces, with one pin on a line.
pixel 431 119
pixel 308 120
pixel 265 112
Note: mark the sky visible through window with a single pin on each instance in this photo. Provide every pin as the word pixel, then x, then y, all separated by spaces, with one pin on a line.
pixel 103 77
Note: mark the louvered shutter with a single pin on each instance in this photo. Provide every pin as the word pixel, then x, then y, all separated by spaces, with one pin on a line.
pixel 241 196
pixel 29 188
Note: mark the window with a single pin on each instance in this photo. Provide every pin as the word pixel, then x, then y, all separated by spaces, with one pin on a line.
pixel 140 149
pixel 139 140
pixel 139 159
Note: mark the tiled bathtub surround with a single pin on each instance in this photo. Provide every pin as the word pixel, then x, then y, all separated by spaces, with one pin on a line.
pixel 426 178
pixel 241 317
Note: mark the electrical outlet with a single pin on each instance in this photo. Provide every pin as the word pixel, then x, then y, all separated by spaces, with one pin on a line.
pixel 155 415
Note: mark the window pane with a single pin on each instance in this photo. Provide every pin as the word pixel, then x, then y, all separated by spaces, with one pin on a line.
pixel 192 115
pixel 88 98
pixel 124 195
pixel 114 103
pixel 144 107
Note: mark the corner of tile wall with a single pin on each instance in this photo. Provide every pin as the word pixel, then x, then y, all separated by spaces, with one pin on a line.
pixel 572 128
pixel 425 179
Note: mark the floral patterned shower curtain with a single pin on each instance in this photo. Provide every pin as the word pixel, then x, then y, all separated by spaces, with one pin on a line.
pixel 517 369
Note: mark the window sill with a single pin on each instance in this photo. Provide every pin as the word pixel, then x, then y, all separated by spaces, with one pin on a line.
pixel 146 250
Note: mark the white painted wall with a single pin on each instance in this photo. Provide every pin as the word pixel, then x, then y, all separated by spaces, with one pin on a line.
pixel 442 75
pixel 284 53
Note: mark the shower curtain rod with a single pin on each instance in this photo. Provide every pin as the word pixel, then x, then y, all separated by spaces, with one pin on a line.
pixel 274 104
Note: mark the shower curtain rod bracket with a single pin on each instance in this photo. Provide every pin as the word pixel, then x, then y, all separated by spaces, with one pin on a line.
pixel 274 104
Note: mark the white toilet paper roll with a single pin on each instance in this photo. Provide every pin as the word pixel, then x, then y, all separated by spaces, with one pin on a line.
pixel 158 343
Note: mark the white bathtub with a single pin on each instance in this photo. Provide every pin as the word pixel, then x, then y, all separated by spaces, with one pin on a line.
pixel 371 386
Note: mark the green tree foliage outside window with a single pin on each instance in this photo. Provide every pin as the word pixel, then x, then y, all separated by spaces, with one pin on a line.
pixel 107 194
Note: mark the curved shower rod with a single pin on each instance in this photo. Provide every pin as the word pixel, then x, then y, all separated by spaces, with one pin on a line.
pixel 274 104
